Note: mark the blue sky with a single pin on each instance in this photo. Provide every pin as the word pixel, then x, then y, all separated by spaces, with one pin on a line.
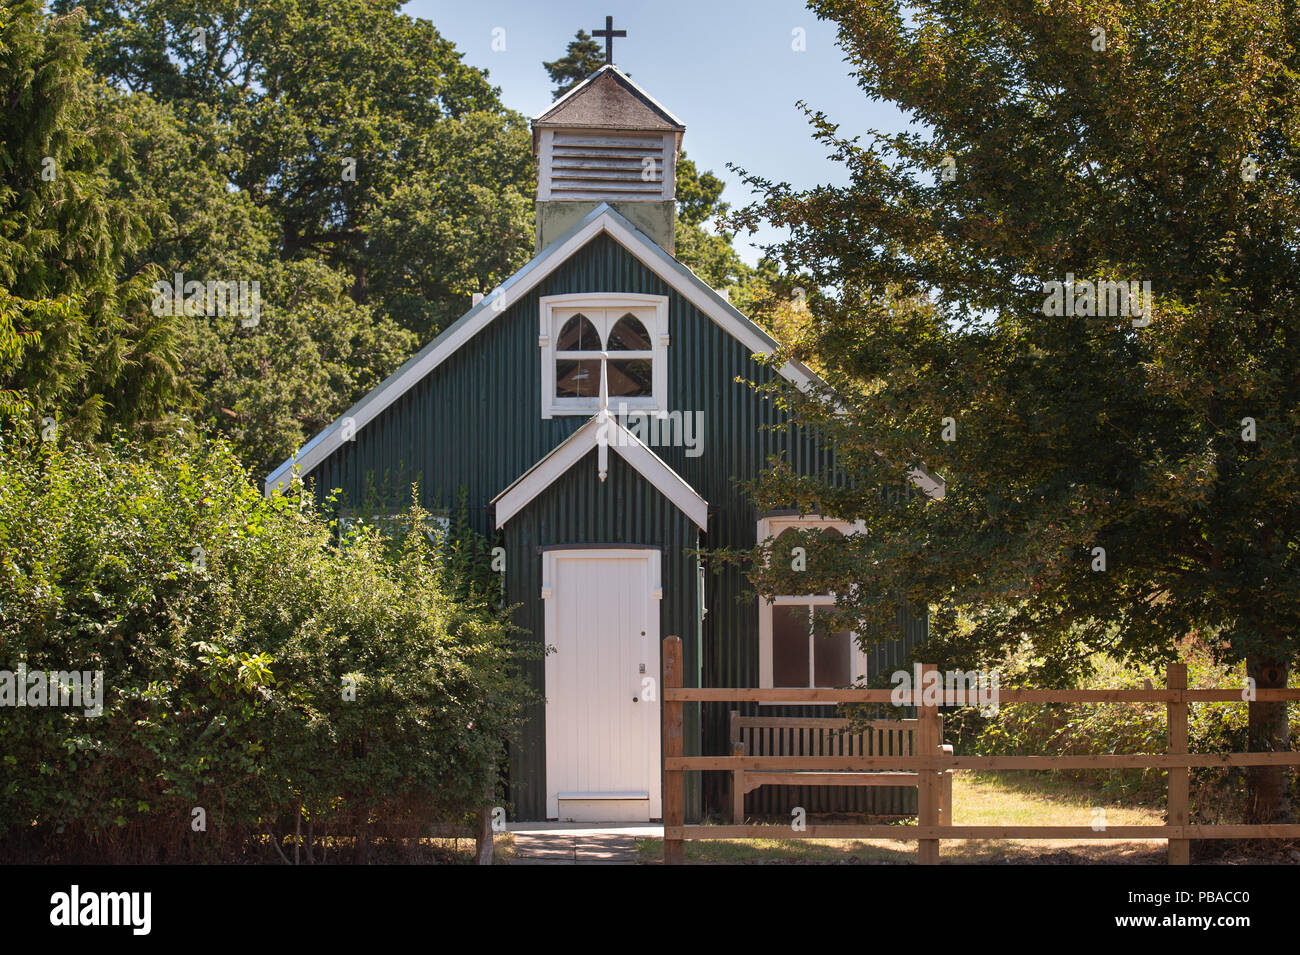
pixel 726 68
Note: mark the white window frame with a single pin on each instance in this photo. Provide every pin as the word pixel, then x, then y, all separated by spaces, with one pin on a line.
pixel 651 310
pixel 773 527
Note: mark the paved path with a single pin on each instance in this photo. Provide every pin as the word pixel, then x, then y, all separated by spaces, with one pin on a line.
pixel 567 844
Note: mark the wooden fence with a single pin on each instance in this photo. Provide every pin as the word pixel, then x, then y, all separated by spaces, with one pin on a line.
pixel 927 832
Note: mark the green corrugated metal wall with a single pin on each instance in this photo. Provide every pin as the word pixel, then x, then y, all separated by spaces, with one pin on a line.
pixel 475 422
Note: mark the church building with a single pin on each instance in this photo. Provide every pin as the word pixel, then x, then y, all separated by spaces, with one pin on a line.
pixel 595 411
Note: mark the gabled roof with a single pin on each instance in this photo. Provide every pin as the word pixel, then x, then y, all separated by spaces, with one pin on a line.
pixel 602 219
pixel 608 99
pixel 601 431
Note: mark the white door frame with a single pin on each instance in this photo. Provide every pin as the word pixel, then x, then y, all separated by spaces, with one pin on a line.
pixel 653 557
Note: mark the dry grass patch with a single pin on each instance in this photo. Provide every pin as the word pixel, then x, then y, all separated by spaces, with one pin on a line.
pixel 979 799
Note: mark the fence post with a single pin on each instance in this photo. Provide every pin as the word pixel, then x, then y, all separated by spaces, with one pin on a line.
pixel 927 800
pixel 1180 850
pixel 945 783
pixel 674 783
pixel 483 836
pixel 737 777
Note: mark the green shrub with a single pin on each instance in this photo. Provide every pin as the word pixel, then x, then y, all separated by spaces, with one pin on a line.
pixel 229 628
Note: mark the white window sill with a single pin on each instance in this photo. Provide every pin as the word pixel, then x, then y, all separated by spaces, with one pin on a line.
pixel 614 408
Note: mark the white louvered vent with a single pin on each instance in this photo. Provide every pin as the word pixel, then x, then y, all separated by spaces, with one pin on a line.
pixel 592 165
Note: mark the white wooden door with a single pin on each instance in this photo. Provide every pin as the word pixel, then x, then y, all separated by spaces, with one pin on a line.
pixel 602 699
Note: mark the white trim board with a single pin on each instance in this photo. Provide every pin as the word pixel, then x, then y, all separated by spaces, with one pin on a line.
pixel 574 448
pixel 642 794
pixel 601 219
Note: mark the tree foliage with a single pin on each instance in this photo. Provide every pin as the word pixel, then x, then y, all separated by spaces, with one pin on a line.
pixel 583 57
pixel 1157 447
pixel 102 358
pixel 339 157
pixel 358 128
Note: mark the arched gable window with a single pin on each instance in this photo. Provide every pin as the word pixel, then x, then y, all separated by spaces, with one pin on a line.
pixel 631 359
pixel 578 355
pixel 621 339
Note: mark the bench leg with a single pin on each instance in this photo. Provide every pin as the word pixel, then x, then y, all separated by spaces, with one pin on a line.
pixel 738 797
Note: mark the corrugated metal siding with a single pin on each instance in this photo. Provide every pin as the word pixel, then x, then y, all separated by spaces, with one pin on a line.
pixel 475 422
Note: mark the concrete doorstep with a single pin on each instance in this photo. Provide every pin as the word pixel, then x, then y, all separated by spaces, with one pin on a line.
pixel 571 844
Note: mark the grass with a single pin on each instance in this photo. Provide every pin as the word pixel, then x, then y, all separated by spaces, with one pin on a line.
pixel 979 799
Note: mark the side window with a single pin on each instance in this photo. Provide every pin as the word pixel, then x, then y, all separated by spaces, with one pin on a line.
pixel 797 648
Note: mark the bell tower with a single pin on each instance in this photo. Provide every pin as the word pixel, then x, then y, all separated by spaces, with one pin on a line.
pixel 607 140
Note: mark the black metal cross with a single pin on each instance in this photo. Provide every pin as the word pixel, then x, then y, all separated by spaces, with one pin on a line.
pixel 609 33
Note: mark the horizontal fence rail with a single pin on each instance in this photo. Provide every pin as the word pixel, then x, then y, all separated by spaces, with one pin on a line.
pixel 914 697
pixel 940 763
pixel 929 762
pixel 913 833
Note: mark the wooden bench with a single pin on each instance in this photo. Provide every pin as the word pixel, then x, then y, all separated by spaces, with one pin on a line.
pixel 821 736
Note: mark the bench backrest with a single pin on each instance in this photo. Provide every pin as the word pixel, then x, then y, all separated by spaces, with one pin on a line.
pixel 819 736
